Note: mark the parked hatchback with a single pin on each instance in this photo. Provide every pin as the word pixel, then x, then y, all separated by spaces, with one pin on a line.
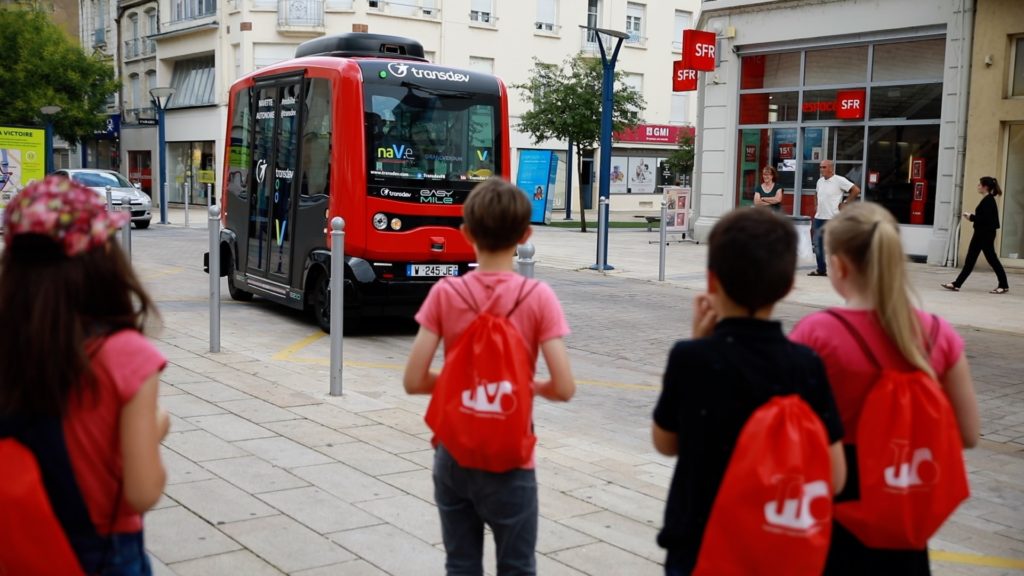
pixel 121 191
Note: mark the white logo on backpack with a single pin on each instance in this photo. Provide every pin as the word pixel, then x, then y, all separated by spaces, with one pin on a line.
pixel 795 513
pixel 486 398
pixel 905 475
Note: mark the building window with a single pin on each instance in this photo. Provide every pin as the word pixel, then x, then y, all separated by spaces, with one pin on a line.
pixel 836 66
pixel 635 23
pixel 481 11
pixel 923 60
pixel 191 9
pixel 193 82
pixel 1017 84
pixel 153 28
pixel 683 21
pixel 133 82
pixel 679 109
pixel 1012 245
pixel 593 19
pixel 485 65
pixel 547 15
pixel 634 81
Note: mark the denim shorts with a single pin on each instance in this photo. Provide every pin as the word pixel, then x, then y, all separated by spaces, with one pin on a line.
pixel 124 554
pixel 468 499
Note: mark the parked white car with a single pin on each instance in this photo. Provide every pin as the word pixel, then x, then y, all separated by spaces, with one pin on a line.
pixel 121 191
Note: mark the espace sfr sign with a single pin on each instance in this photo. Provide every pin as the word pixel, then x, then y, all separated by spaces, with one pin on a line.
pixel 848 105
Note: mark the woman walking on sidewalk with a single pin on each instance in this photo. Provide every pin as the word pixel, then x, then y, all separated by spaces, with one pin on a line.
pixel 986 222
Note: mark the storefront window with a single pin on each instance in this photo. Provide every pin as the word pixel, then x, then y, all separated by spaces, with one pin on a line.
pixel 819 105
pixel 190 170
pixel 906 61
pixel 770 71
pixel 766 108
pixel 1012 245
pixel 903 161
pixel 917 102
pixel 758 148
pixel 836 66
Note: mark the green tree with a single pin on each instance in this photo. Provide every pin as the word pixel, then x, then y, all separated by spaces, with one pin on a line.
pixel 565 104
pixel 681 159
pixel 43 67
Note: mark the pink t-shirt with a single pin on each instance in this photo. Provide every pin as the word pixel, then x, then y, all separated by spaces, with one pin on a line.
pixel 538 318
pixel 92 427
pixel 850 372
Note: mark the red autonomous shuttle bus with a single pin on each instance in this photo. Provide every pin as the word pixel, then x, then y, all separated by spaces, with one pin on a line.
pixel 363 127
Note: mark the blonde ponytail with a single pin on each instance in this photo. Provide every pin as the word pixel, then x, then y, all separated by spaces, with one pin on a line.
pixel 868 236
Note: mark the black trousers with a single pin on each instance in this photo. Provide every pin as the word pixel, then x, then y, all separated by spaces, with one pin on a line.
pixel 983 241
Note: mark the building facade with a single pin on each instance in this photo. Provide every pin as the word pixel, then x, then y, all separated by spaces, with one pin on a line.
pixel 880 88
pixel 200 47
pixel 995 123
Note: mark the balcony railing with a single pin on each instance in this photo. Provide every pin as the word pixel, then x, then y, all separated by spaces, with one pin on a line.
pixel 636 39
pixel 139 47
pixel 302 14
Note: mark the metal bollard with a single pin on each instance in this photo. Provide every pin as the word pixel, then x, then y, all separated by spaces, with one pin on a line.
pixel 662 241
pixel 601 232
pixel 337 301
pixel 110 201
pixel 126 230
pixel 526 262
pixel 188 191
pixel 214 225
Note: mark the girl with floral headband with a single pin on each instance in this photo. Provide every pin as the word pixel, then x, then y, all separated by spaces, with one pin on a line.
pixel 78 380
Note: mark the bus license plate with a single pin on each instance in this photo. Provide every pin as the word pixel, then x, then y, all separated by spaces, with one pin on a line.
pixel 432 270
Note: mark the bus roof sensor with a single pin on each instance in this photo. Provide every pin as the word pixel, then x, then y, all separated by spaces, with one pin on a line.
pixel 361 44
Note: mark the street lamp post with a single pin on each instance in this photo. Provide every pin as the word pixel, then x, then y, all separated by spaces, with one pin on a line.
pixel 604 182
pixel 48 113
pixel 161 97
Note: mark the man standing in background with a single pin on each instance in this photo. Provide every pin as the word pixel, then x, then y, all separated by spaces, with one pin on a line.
pixel 828 202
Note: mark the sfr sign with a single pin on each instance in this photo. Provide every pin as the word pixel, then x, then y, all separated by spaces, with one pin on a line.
pixel 683 78
pixel 850 104
pixel 699 50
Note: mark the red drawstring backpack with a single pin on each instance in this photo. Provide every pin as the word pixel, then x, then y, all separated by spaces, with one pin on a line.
pixel 773 511
pixel 482 406
pixel 909 458
pixel 40 503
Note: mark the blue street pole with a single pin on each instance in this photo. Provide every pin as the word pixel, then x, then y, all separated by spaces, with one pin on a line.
pixel 568 181
pixel 604 181
pixel 163 165
pixel 48 113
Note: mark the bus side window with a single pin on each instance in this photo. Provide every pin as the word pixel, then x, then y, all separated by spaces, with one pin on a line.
pixel 316 139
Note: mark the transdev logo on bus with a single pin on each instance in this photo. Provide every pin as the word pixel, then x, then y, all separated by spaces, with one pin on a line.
pixel 400 69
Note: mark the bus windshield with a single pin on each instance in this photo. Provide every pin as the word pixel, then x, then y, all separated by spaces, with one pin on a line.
pixel 415 133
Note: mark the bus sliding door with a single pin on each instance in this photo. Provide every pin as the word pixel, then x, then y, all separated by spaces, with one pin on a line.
pixel 275 158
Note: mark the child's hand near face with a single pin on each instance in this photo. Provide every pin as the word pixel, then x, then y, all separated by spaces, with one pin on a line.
pixel 704 316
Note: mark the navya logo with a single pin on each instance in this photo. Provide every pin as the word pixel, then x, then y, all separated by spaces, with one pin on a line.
pixel 436 197
pixel 261 170
pixel 395 151
pixel 400 69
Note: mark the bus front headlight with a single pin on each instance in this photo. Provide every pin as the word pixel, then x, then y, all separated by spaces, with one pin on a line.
pixel 380 221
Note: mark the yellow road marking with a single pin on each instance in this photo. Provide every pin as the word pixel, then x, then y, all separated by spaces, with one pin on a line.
pixel 289 354
pixel 976 559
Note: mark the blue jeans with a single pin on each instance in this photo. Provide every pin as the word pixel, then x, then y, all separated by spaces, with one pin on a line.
pixel 818 233
pixel 125 555
pixel 467 499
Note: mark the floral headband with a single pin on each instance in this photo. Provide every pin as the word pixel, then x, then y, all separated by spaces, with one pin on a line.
pixel 68 213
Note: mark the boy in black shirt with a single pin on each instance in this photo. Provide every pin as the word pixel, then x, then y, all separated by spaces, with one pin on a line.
pixel 737 360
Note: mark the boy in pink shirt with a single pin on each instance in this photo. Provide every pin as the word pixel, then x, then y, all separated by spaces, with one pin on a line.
pixel 496 218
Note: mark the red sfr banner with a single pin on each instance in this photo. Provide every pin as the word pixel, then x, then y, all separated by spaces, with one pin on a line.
pixel 683 78
pixel 699 50
pixel 850 104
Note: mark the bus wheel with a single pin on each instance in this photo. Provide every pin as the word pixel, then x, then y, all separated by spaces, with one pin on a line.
pixel 236 293
pixel 322 302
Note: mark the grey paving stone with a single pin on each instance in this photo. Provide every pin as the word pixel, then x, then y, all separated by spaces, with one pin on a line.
pixel 629 503
pixel 256 410
pixel 283 452
pixel 286 544
pixel 357 402
pixel 254 475
pixel 230 428
pixel 185 405
pixel 181 469
pixel 393 550
pixel 159 568
pixel 200 445
pixel 331 416
pixel 385 438
pixel 408 513
pixel 345 482
pixel 424 458
pixel 369 459
pixel 553 536
pixel 603 558
pixel 180 424
pixel 550 567
pixel 403 420
pixel 620 531
pixel 218 502
pixel 240 562
pixel 354 568
pixel 309 433
pixel 319 510
pixel 175 534
pixel 213 391
pixel 559 505
pixel 419 483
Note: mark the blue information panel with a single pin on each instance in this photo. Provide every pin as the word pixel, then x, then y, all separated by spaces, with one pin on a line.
pixel 536 175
